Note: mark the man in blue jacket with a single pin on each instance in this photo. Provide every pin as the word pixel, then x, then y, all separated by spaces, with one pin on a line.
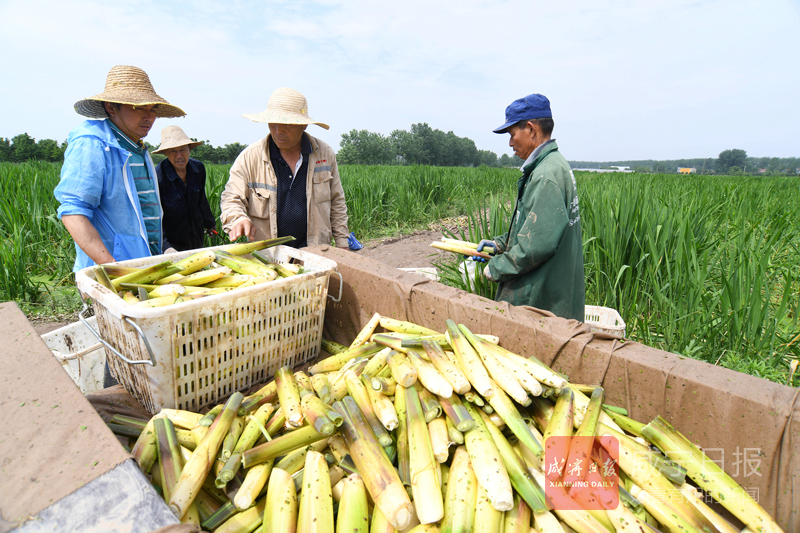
pixel 539 261
pixel 108 190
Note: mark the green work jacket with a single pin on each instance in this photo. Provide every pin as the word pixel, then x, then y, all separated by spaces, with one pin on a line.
pixel 541 259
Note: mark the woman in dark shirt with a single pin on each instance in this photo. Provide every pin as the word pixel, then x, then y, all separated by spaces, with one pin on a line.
pixel 182 185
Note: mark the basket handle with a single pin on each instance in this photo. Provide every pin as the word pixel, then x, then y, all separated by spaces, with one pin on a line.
pixel 71 356
pixel 341 283
pixel 151 362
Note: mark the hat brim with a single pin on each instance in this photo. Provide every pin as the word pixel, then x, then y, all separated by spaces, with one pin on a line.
pixel 283 117
pixel 93 107
pixel 191 145
pixel 504 127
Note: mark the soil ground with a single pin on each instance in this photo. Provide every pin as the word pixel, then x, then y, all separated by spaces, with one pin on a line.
pixel 406 251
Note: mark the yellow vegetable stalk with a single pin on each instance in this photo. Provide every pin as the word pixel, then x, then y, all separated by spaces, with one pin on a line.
pixel 382 406
pixel 289 396
pixel 253 482
pixel 469 360
pixel 401 326
pixel 195 262
pixel 231 280
pixel 247 520
pixel 402 370
pixel 229 443
pixel 560 425
pixel 244 248
pixel 440 441
pixel 315 412
pixel 695 497
pixel 425 484
pixel 203 458
pixel 170 462
pixel 518 473
pixel 281 445
pixel 377 363
pixel 488 464
pixel 322 387
pixel 570 512
pixel 580 449
pixel 487 518
pixel 451 372
pixel 460 498
pixel 518 519
pixel 353 513
pixel 507 411
pixel 315 514
pixel 380 524
pixel 403 466
pixel 497 371
pixel 358 391
pixel 338 361
pixel 170 289
pixel 537 369
pixel 379 475
pixel 709 476
pixel 365 333
pixel 385 386
pixel 204 276
pixel 429 376
pixel 546 522
pixel 455 436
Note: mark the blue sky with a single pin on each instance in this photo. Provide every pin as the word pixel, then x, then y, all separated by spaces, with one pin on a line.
pixel 627 80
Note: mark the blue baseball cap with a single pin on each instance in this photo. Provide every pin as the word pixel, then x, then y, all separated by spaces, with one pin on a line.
pixel 529 107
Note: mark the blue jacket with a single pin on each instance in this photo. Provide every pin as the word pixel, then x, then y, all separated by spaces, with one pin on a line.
pixel 96 181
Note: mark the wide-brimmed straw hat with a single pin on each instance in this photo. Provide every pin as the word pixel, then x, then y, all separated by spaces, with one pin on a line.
pixel 173 137
pixel 286 106
pixel 127 85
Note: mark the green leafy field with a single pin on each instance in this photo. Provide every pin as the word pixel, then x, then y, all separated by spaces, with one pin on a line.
pixel 704 266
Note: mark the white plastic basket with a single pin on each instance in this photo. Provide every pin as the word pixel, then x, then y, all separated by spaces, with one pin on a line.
pixel 605 320
pixel 80 353
pixel 192 354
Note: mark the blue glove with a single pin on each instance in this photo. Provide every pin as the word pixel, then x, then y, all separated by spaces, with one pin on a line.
pixel 353 243
pixel 476 259
pixel 486 243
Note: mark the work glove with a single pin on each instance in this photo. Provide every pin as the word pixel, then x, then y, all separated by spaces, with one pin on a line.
pixel 353 243
pixel 486 243
pixel 491 249
pixel 487 274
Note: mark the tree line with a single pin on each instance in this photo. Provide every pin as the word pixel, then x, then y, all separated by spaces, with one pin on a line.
pixel 424 145
pixel 23 147
pixel 729 162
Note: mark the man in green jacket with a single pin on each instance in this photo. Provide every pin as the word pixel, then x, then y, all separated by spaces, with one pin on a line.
pixel 539 262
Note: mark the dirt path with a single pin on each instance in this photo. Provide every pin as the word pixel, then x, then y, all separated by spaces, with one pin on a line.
pixel 412 251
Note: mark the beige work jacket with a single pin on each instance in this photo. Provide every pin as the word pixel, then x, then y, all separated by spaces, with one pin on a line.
pixel 252 188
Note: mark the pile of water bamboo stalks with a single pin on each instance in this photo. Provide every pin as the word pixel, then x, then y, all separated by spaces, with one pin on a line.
pixel 411 429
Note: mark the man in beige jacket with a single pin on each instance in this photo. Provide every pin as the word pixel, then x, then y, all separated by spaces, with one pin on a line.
pixel 263 198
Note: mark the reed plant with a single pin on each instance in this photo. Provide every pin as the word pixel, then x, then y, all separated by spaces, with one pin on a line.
pixel 704 266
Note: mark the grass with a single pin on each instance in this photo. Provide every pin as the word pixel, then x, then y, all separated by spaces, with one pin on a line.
pixel 707 267
pixel 704 266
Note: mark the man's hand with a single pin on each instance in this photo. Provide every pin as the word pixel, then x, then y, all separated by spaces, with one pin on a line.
pixel 486 243
pixel 487 273
pixel 243 228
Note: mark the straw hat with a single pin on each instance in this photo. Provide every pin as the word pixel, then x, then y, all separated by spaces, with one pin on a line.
pixel 173 137
pixel 126 85
pixel 286 106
